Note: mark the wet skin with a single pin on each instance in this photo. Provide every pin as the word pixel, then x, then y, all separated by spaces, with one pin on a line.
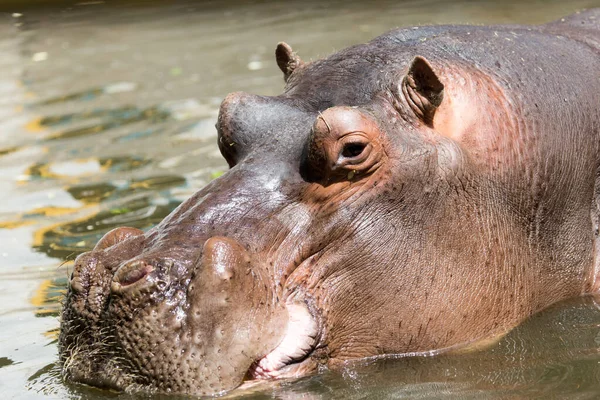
pixel 420 192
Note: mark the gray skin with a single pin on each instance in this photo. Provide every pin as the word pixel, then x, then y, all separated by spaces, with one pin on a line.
pixel 421 192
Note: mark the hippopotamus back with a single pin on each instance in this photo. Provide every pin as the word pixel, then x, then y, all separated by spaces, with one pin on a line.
pixel 582 26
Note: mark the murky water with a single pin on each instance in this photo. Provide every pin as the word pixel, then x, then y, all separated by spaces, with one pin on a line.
pixel 107 118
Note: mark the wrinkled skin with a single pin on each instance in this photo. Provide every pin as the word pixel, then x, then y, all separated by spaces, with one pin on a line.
pixel 424 191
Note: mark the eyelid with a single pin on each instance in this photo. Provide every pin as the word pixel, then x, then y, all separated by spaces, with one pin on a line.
pixel 355 133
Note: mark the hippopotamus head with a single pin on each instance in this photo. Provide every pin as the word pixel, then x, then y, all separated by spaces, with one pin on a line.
pixel 254 276
pixel 348 225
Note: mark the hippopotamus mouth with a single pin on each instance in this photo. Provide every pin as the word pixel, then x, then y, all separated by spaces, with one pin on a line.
pixel 290 358
pixel 131 325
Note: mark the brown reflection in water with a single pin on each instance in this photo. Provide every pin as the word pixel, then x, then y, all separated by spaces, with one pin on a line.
pixel 82 95
pixel 97 192
pixel 157 182
pixel 45 379
pixel 5 362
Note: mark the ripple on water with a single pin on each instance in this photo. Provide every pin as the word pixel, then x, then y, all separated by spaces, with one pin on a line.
pixel 47 381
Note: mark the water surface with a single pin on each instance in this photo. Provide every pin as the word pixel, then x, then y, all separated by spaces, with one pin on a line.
pixel 107 118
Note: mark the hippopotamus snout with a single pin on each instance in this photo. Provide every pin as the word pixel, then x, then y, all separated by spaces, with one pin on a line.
pixel 144 307
pixel 97 276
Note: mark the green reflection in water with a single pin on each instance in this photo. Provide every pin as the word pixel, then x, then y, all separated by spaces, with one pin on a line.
pixel 97 192
pixel 137 135
pixel 67 240
pixel 93 193
pixel 141 203
pixel 5 362
pixel 112 164
pixel 63 119
pixel 118 118
pixel 104 120
pixel 82 95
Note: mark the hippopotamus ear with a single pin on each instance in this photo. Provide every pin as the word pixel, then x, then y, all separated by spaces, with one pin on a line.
pixel 422 89
pixel 287 60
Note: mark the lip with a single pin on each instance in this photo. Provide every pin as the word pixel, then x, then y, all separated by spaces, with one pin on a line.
pixel 95 373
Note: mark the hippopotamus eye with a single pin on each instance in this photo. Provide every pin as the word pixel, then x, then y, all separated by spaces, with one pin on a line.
pixel 227 145
pixel 352 150
pixel 345 144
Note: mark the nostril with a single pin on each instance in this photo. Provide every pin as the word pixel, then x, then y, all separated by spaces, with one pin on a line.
pixel 86 266
pixel 135 275
pixel 129 274
pixel 76 285
pixel 162 285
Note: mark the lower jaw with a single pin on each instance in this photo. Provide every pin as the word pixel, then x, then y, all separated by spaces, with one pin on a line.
pixel 293 358
pixel 255 379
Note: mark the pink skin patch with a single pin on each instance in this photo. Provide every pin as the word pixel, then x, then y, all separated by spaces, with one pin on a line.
pixel 299 340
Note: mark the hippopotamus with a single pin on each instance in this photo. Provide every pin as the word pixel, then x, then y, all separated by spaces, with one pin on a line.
pixel 416 194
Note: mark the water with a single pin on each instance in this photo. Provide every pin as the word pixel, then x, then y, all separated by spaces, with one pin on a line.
pixel 107 118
